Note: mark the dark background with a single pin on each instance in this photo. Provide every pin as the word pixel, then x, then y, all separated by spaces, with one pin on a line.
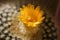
pixel 48 5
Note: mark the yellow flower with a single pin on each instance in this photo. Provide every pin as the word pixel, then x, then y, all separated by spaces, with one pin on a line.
pixel 30 15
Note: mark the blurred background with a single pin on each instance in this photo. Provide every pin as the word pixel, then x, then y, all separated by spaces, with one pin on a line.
pixel 48 5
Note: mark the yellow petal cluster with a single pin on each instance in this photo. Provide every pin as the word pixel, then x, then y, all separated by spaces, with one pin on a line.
pixel 30 15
